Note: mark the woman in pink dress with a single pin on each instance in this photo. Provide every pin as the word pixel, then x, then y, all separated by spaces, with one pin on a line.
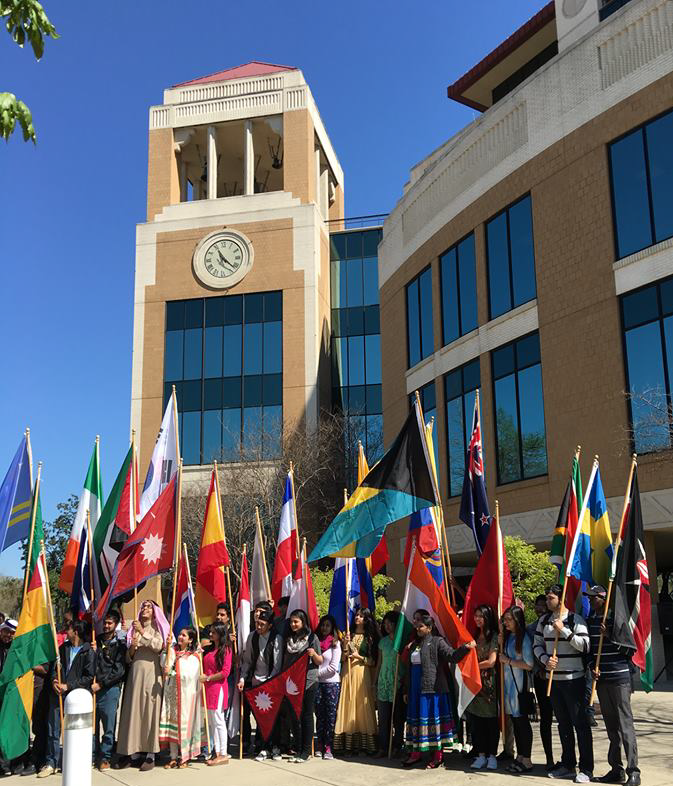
pixel 216 668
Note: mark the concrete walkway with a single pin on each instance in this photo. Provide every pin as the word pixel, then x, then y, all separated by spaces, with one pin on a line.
pixel 654 726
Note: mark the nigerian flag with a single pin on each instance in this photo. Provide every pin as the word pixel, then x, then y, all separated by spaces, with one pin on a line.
pixel 33 644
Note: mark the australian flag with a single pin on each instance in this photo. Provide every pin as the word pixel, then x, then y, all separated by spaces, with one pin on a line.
pixel 474 503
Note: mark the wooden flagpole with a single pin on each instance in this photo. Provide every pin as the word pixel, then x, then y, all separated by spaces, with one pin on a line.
pixel 195 622
pixel 50 611
pixel 226 568
pixel 241 697
pixel 618 543
pixel 580 516
pixel 133 509
pixel 89 546
pixel 294 506
pixel 267 584
pixel 500 591
pixel 176 556
pixel 29 450
pixel 392 711
pixel 33 516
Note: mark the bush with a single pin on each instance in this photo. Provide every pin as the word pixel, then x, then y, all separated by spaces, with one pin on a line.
pixel 322 585
pixel 531 572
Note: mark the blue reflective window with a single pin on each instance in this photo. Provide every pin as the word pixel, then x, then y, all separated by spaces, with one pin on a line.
pixel 511 257
pixel 373 359
pixel 175 315
pixel 413 324
pixel 212 351
pixel 649 365
pixel 252 348
pixel 273 347
pixel 212 393
pixel 459 290
pixel 370 274
pixel 231 434
pixel 273 432
pixel 459 393
pixel 641 167
pixel 212 436
pixel 232 340
pixel 420 340
pixel 252 432
pixel 355 296
pixel 450 297
pixel 173 355
pixel 190 444
pixel 356 360
pixel 519 410
pixel 193 351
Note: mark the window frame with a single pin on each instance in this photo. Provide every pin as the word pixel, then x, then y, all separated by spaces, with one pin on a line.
pixel 455 246
pixel 463 393
pixel 417 280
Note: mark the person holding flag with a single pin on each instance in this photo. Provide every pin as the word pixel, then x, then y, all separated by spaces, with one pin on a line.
pixel 483 710
pixel 389 679
pixel 217 663
pixel 329 685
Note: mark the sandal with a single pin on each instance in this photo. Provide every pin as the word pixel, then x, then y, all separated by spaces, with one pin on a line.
pixel 182 765
pixel 170 765
pixel 433 764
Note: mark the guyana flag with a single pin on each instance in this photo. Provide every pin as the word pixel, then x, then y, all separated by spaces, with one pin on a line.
pixel 399 485
pixel 33 644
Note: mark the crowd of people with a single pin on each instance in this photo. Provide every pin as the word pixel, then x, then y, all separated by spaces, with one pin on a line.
pixel 154 693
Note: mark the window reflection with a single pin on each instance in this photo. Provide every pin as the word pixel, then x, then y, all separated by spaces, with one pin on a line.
pixel 459 392
pixel 420 340
pixel 459 290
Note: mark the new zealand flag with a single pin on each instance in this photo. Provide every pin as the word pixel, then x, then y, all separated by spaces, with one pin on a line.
pixel 474 503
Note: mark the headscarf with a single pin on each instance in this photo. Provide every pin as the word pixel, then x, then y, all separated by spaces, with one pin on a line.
pixel 160 622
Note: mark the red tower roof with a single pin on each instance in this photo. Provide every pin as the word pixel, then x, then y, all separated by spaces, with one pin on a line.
pixel 253 68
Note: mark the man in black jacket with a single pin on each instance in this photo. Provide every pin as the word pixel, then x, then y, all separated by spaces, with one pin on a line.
pixel 77 671
pixel 107 685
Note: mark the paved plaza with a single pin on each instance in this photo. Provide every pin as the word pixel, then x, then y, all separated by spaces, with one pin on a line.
pixel 654 726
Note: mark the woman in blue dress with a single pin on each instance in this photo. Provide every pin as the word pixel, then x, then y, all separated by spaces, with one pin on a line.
pixel 517 659
pixel 430 724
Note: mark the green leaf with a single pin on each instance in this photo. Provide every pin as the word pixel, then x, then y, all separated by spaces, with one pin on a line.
pixel 11 111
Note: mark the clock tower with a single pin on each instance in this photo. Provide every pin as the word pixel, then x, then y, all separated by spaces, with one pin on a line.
pixel 232 278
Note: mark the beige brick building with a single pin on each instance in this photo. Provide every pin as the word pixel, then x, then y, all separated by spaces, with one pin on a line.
pixel 532 208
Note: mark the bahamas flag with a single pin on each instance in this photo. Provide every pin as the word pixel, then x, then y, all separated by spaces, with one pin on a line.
pixel 33 644
pixel 399 485
pixel 16 494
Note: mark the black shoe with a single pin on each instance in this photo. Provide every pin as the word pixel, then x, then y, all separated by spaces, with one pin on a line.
pixel 29 770
pixel 17 768
pixel 122 763
pixel 614 776
pixel 593 722
pixel 504 756
pixel 633 779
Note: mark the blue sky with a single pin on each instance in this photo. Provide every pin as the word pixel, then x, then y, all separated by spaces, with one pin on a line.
pixel 378 72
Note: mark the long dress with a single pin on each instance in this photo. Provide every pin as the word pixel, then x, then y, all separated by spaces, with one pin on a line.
pixel 430 725
pixel 516 680
pixel 355 728
pixel 141 705
pixel 181 711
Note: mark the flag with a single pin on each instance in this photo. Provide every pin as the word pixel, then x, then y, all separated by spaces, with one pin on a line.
pixel 242 633
pixel 474 503
pixel 149 551
pixel 422 532
pixel 184 611
pixel 362 568
pixel 76 552
pixel 380 555
pixel 632 626
pixel 260 589
pixel 211 585
pixel 33 644
pixel 165 459
pixel 397 486
pixel 302 595
pixel 16 496
pixel 265 700
pixel 288 545
pixel 116 522
pixel 601 537
pixel 422 592
pixel 578 559
pixel 344 597
pixel 433 562
pixel 491 584
pixel 564 535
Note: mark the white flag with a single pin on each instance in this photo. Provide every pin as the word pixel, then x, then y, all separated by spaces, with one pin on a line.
pixel 164 464
pixel 259 582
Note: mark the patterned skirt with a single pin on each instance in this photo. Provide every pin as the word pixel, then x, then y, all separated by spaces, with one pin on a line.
pixel 430 725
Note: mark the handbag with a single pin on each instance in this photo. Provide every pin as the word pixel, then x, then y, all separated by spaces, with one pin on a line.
pixel 527 703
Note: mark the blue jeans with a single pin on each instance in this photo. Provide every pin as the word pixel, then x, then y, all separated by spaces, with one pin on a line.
pixel 107 701
pixel 53 731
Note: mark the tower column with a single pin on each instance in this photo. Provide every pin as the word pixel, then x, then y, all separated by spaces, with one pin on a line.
pixel 248 159
pixel 212 163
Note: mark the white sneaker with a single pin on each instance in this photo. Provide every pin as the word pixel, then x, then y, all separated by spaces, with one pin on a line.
pixel 275 754
pixel 479 763
pixel 582 777
pixel 492 763
pixel 262 756
pixel 46 771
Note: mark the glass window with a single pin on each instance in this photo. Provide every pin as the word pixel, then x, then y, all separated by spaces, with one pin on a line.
pixel 413 324
pixel 175 315
pixel 231 434
pixel 232 341
pixel 355 283
pixel 214 311
pixel 190 444
pixel 641 167
pixel 648 341
pixel 193 314
pixel 212 352
pixel 459 392
pixel 450 296
pixel 212 394
pixel 353 245
pixel 252 432
pixel 173 355
pixel 212 436
pixel 459 290
pixel 519 410
pixel 511 257
pixel 420 340
pixel 273 306
pixel 373 359
pixel 356 360
pixel 254 308
pixel 273 347
pixel 273 432
pixel 370 242
pixel 467 279
pixel 252 348
pixel 428 398
pixel 252 391
pixel 370 273
pixel 193 340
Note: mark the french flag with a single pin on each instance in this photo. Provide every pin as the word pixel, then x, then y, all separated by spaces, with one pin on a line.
pixel 183 614
pixel 288 545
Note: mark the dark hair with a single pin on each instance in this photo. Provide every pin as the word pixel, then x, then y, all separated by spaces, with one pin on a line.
pixel 335 628
pixel 540 599
pixel 224 606
pixel 520 622
pixel 263 604
pixel 193 640
pixel 81 628
pixel 114 615
pixel 393 616
pixel 489 620
pixel 265 615
pixel 429 621
pixel 305 629
pixel 371 633
pixel 223 647
pixel 284 601
pixel 555 589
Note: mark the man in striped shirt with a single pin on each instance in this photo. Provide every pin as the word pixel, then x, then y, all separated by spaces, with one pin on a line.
pixel 614 692
pixel 567 633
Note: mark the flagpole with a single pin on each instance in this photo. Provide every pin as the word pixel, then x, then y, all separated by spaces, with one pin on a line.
pixel 29 450
pixel 570 561
pixel 93 599
pixel 500 591
pixel 618 543
pixel 132 523
pixel 33 516
pixel 294 505
pixel 50 611
pixel 195 622
pixel 241 698
pixel 392 711
pixel 176 553
pixel 267 585
pixel 226 567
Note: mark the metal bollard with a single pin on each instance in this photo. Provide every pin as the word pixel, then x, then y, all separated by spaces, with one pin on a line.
pixel 77 735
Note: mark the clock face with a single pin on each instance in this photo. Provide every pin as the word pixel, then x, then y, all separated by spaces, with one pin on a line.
pixel 222 259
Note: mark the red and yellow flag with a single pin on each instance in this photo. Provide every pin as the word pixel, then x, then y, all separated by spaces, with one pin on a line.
pixel 211 587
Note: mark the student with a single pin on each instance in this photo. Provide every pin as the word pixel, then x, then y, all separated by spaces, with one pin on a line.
pixel 430 724
pixel 260 661
pixel 568 631
pixel 614 692
pixel 483 709
pixel 299 643
pixel 540 678
pixel 77 671
pixel 216 670
pixel 262 605
pixel 385 688
pixel 329 686
pixel 7 631
pixel 106 687
pixel 355 730
pixel 517 659
pixel 138 738
pixel 180 724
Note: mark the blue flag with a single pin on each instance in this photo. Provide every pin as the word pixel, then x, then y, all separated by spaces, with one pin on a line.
pixel 474 503
pixel 16 495
pixel 337 598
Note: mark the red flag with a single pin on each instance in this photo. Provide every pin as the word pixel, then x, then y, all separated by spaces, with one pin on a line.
pixel 302 595
pixel 491 584
pixel 148 552
pixel 265 699
pixel 211 587
pixel 379 556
